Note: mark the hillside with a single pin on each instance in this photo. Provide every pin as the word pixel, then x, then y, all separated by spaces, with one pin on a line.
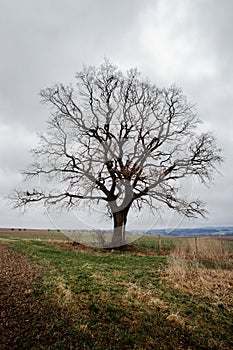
pixel 196 231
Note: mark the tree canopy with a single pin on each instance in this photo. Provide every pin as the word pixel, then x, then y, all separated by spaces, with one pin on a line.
pixel 117 138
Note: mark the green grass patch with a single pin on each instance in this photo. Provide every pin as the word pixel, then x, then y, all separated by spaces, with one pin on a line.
pixel 121 300
pixel 157 244
pixel 125 300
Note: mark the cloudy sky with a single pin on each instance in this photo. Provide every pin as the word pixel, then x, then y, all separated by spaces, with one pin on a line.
pixel 171 41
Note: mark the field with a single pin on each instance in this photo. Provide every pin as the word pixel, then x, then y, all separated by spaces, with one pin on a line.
pixel 159 293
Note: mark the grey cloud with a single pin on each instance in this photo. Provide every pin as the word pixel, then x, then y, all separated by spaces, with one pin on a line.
pixel 47 41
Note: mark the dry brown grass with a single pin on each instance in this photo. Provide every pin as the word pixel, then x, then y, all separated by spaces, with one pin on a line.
pixel 63 292
pixel 203 248
pixel 137 294
pixel 190 277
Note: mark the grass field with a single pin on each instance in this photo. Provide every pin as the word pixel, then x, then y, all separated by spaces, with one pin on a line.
pixel 160 293
pixel 33 235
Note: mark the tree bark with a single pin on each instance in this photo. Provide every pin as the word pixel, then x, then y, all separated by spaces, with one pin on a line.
pixel 119 219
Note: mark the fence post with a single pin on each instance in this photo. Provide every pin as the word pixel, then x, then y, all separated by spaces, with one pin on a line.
pixel 222 248
pixel 196 247
pixel 159 243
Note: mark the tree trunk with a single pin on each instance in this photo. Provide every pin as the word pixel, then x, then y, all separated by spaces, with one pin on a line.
pixel 119 218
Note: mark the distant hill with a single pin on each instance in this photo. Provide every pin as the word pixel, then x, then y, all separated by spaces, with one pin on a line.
pixel 196 231
pixel 7 229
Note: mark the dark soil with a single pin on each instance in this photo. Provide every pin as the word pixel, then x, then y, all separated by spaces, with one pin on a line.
pixel 18 306
pixel 26 321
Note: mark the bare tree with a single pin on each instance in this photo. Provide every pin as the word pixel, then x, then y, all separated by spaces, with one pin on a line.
pixel 119 139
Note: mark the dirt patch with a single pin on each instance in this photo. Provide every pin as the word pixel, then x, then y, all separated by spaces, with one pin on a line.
pixel 26 320
pixel 74 246
pixel 18 306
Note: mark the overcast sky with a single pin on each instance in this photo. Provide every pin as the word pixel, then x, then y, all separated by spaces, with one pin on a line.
pixel 171 41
